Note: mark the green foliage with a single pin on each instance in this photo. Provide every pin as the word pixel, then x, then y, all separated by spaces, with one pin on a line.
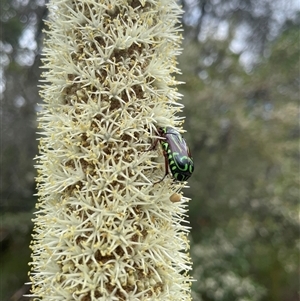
pixel 15 252
pixel 243 132
pixel 11 23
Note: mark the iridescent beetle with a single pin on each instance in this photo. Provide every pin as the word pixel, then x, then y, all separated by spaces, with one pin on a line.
pixel 177 154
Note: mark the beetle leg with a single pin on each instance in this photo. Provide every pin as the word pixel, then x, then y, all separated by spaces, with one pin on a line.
pixel 166 169
pixel 153 146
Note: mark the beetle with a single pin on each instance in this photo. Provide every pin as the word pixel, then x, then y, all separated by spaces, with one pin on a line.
pixel 176 152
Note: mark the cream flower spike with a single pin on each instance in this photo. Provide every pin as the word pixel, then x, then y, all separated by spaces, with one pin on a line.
pixel 103 231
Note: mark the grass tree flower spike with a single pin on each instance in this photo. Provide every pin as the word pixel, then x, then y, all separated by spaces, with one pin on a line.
pixel 103 231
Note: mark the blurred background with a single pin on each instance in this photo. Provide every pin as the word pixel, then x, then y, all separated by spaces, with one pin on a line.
pixel 240 63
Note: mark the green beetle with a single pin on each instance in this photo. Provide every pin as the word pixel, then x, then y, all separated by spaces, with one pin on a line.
pixel 177 154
